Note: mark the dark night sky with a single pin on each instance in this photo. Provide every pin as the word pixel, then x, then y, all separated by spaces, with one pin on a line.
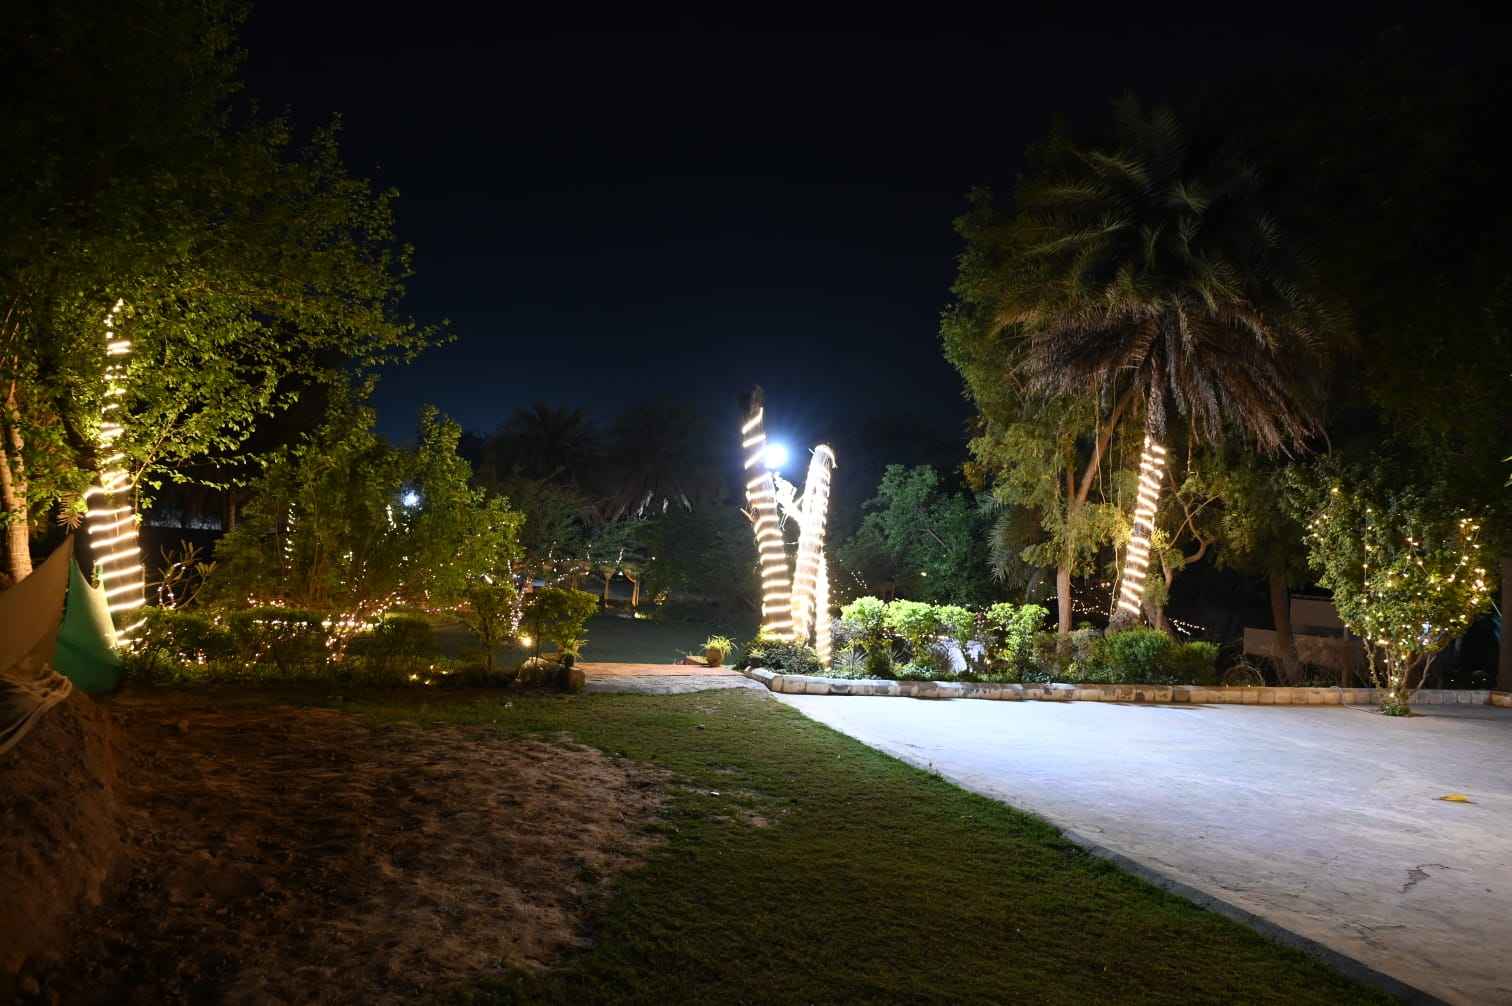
pixel 611 216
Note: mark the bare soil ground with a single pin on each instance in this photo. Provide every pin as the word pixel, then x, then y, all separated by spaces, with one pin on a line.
pixel 296 855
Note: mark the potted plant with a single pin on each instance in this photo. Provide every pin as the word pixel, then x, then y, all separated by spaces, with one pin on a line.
pixel 716 649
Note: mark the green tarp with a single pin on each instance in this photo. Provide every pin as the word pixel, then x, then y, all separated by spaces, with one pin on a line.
pixel 86 652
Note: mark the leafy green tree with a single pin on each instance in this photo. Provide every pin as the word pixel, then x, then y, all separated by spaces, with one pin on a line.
pixel 1148 265
pixel 1404 564
pixel 932 541
pixel 704 552
pixel 491 612
pixel 247 265
pixel 558 445
pixel 347 524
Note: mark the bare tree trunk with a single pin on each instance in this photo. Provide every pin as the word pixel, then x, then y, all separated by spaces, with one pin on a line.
pixel 1504 656
pixel 1063 598
pixel 1287 661
pixel 13 492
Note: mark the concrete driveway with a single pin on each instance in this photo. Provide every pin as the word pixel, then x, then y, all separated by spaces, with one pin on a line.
pixel 1323 820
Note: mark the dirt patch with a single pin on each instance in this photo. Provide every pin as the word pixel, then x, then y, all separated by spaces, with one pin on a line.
pixel 283 855
pixel 58 828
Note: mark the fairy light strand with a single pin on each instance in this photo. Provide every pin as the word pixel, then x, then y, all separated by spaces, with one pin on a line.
pixel 112 518
pixel 761 497
pixel 1137 557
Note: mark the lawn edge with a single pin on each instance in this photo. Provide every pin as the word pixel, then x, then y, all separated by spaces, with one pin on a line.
pixel 1339 961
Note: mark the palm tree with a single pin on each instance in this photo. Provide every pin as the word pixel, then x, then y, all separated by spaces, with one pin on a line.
pixel 560 445
pixel 1149 268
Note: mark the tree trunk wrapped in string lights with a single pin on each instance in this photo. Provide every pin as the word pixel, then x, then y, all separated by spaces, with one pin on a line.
pixel 112 517
pixel 794 606
pixel 1137 556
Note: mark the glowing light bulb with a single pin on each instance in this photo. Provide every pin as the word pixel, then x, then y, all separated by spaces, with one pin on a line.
pixel 410 498
pixel 775 456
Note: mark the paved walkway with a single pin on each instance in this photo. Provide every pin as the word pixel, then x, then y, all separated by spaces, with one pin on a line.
pixel 661 679
pixel 1324 820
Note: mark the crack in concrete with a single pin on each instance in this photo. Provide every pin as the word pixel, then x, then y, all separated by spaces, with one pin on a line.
pixel 1419 873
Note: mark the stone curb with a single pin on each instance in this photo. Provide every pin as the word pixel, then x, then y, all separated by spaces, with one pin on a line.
pixel 812 684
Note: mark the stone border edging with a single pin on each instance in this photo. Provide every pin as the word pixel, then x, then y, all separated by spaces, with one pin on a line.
pixel 812 684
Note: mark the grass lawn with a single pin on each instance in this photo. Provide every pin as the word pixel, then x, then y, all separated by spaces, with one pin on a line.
pixel 800 866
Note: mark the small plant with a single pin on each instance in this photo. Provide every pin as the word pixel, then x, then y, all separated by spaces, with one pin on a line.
pixel 848 663
pixel 716 649
pixel 558 617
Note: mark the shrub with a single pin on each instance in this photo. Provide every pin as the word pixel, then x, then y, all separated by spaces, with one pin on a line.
pixel 780 655
pixel 917 672
pixel 916 624
pixel 397 644
pixel 866 620
pixel 963 627
pixel 1065 658
pixel 185 636
pixel 557 616
pixel 1009 639
pixel 291 639
pixel 1194 663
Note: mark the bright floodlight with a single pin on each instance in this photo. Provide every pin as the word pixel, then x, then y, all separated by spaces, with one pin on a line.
pixel 410 498
pixel 776 456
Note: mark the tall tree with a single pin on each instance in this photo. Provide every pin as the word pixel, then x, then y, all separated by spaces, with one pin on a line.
pixel 246 264
pixel 543 441
pixel 1148 264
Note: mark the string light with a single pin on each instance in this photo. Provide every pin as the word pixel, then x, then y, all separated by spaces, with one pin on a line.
pixel 1137 558
pixel 794 606
pixel 761 497
pixel 113 521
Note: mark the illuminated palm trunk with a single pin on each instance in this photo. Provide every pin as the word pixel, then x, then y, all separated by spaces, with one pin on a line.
pixel 761 497
pixel 112 518
pixel 812 514
pixel 1137 556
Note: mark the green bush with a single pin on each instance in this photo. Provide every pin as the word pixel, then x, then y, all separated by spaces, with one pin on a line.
pixel 396 645
pixel 919 672
pixel 1194 663
pixel 916 623
pixel 184 636
pixel 866 620
pixel 557 617
pixel 780 655
pixel 291 639
pixel 1008 639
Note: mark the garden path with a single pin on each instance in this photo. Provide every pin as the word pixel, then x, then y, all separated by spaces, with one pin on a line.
pixel 661 679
